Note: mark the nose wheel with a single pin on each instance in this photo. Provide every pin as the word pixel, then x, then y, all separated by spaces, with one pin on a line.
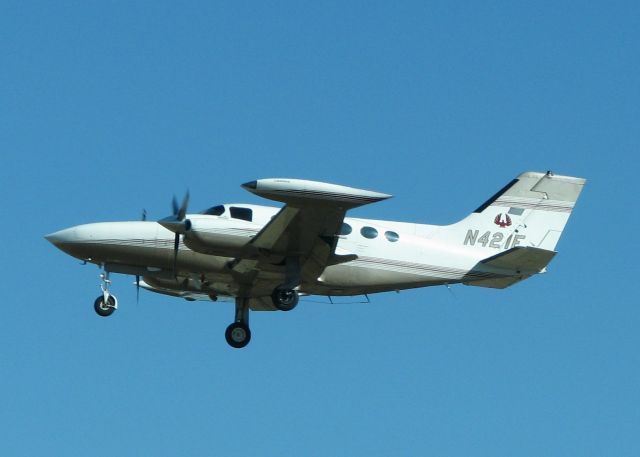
pixel 106 303
pixel 105 308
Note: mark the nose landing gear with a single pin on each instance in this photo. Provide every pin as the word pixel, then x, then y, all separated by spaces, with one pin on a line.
pixel 106 303
pixel 107 308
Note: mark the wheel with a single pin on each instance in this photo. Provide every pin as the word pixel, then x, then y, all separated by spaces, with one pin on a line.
pixel 105 309
pixel 285 299
pixel 238 335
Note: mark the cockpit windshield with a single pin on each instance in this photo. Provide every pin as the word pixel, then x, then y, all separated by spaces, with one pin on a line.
pixel 246 214
pixel 214 211
pixel 236 212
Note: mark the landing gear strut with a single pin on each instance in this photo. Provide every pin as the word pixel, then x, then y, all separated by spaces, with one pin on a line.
pixel 285 297
pixel 106 303
pixel 238 333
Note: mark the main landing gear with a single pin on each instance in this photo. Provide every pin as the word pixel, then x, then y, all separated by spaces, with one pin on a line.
pixel 106 303
pixel 238 333
pixel 285 299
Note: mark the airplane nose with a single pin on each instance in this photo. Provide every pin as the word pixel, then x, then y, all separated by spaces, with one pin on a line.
pixel 61 237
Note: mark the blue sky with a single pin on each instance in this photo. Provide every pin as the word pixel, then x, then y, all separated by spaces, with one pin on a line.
pixel 111 107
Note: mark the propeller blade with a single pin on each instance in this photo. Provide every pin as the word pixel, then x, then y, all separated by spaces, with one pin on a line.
pixel 182 212
pixel 137 289
pixel 176 245
pixel 174 206
pixel 177 224
pixel 144 214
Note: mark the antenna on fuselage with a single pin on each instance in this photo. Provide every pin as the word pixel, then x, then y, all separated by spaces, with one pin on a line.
pixel 453 294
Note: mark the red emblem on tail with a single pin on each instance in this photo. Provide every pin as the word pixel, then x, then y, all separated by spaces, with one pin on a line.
pixel 502 220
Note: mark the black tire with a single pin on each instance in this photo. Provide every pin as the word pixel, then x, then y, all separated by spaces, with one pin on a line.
pixel 285 299
pixel 238 335
pixel 103 309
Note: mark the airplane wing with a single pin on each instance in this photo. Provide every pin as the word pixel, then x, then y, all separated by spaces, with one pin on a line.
pixel 300 241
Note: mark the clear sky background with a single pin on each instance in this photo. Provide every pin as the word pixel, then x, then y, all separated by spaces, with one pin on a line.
pixel 107 108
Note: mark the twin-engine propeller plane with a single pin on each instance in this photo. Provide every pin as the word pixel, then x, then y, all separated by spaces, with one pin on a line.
pixel 266 257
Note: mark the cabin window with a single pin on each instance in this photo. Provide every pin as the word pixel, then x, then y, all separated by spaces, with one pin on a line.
pixel 245 214
pixel 369 232
pixel 214 211
pixel 391 236
pixel 345 229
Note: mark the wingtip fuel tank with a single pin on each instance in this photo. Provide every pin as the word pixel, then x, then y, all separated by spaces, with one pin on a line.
pixel 292 190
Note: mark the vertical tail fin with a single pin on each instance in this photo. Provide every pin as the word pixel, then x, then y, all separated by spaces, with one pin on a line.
pixel 532 210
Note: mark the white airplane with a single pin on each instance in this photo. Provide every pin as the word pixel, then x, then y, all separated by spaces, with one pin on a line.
pixel 266 257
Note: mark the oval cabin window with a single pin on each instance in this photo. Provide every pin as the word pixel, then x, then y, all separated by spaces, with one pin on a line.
pixel 345 229
pixel 392 236
pixel 369 232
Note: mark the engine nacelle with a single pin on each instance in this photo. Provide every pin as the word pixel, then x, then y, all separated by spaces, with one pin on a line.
pixel 221 237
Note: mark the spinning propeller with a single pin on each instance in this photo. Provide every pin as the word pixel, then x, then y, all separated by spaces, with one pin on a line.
pixel 177 224
pixel 143 218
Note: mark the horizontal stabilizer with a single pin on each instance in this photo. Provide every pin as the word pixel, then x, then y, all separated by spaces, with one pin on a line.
pixel 521 259
pixel 515 264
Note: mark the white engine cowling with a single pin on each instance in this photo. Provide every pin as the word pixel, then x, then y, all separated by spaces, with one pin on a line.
pixel 221 237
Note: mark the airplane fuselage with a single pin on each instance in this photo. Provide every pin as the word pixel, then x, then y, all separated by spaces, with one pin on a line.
pixel 390 255
pixel 265 257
